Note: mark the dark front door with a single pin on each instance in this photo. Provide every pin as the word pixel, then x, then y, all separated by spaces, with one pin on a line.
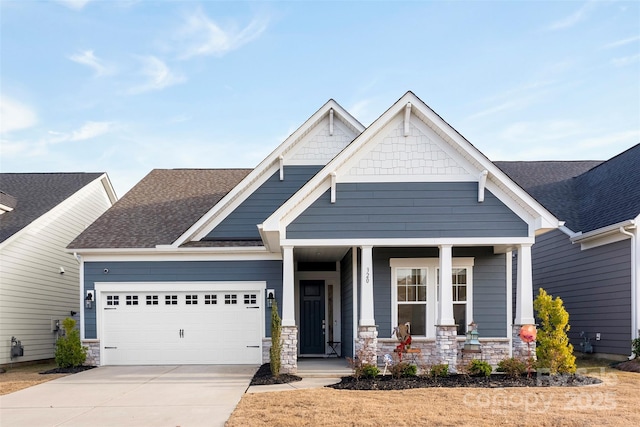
pixel 312 317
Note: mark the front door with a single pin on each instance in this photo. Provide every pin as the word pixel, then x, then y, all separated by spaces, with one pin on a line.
pixel 312 324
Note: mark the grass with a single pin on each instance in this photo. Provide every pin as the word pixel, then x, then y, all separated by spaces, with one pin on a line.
pixel 612 403
pixel 23 376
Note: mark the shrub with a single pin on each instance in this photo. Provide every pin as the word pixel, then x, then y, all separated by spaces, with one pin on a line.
pixel 369 370
pixel 359 366
pixel 512 366
pixel 69 350
pixel 403 369
pixel 636 347
pixel 480 368
pixel 553 349
pixel 276 344
pixel 439 370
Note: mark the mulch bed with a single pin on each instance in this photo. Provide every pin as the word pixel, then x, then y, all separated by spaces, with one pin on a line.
pixel 629 366
pixel 264 377
pixel 73 370
pixel 387 382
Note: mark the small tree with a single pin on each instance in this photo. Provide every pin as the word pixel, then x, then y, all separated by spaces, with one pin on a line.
pixel 69 350
pixel 553 348
pixel 276 345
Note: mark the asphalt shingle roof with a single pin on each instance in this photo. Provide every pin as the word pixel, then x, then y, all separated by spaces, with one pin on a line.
pixel 159 208
pixel 34 194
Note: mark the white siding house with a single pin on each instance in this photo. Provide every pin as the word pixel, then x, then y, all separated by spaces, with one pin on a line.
pixel 41 214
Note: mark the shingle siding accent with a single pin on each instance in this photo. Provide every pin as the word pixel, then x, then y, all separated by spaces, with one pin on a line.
pixel 242 222
pixel 410 209
pixel 182 271
pixel 594 284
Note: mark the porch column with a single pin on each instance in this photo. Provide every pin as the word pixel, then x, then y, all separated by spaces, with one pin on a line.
pixel 445 307
pixel 524 295
pixel 366 294
pixel 367 343
pixel 288 305
pixel 446 331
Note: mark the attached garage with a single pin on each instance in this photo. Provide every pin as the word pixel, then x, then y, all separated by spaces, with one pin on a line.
pixel 180 323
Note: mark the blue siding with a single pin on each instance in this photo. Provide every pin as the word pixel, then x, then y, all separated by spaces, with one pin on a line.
pixel 182 271
pixel 414 209
pixel 595 286
pixel 346 303
pixel 242 222
pixel 489 299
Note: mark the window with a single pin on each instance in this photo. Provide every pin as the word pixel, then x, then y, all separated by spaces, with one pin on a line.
pixel 191 299
pixel 231 299
pixel 113 300
pixel 414 293
pixel 152 299
pixel 412 298
pixel 132 299
pixel 171 300
pixel 210 299
pixel 250 298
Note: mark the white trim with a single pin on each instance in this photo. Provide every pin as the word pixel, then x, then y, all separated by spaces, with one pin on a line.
pixel 604 235
pixel 435 241
pixel 509 281
pixel 154 256
pixel 367 310
pixel 354 277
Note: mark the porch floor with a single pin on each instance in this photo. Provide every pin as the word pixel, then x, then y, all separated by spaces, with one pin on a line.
pixel 333 367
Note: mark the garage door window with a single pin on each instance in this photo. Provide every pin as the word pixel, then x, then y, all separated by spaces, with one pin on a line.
pixel 191 299
pixel 171 300
pixel 113 300
pixel 132 299
pixel 250 298
pixel 210 299
pixel 152 299
pixel 231 299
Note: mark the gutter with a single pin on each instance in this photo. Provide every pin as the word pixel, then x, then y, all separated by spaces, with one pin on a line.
pixel 635 292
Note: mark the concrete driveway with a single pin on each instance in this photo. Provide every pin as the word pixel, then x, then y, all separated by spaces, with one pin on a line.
pixel 184 396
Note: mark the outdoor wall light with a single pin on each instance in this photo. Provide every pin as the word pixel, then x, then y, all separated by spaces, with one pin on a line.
pixel 271 296
pixel 88 301
pixel 472 344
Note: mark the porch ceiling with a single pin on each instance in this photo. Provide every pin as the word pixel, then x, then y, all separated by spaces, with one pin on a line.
pixel 320 254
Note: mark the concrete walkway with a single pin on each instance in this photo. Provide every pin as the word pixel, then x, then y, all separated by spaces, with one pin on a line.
pixel 190 395
pixel 315 373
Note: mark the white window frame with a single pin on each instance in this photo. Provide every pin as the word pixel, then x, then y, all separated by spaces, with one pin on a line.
pixel 431 265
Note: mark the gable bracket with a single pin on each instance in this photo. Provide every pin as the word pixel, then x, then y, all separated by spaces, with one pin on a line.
pixel 482 182
pixel 333 186
pixel 331 122
pixel 281 161
pixel 407 116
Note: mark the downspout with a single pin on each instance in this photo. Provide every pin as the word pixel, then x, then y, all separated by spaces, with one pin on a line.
pixel 634 286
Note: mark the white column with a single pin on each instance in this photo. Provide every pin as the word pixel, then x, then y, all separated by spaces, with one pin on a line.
pixel 524 295
pixel 445 307
pixel 366 290
pixel 288 300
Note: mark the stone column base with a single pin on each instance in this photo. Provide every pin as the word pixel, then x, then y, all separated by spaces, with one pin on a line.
pixel 93 352
pixel 447 345
pixel 367 344
pixel 289 354
pixel 520 348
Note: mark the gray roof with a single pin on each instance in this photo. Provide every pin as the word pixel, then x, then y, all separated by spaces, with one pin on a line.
pixel 159 208
pixel 587 195
pixel 35 194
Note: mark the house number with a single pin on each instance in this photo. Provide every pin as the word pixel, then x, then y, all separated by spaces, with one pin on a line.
pixel 367 276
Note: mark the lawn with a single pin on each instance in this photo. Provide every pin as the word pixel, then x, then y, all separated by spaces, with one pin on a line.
pixel 23 376
pixel 614 402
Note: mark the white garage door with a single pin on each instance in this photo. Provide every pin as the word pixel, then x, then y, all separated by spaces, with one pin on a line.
pixel 198 327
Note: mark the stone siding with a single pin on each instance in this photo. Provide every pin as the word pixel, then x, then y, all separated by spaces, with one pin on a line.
pixel 367 345
pixel 266 348
pixel 93 352
pixel 520 348
pixel 289 354
pixel 491 351
pixel 447 346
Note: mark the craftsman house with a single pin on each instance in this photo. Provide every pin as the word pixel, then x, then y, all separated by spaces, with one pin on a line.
pixel 40 213
pixel 352 230
pixel 591 262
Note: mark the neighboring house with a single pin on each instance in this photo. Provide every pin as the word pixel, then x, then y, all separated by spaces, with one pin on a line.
pixel 354 230
pixel 40 213
pixel 592 261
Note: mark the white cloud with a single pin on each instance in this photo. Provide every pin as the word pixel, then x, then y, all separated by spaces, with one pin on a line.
pixel 625 60
pixel 202 36
pixel 158 74
pixel 362 111
pixel 575 18
pixel 74 4
pixel 87 131
pixel 622 42
pixel 15 115
pixel 88 58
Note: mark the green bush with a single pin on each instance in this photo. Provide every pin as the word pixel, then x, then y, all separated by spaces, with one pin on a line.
pixel 512 366
pixel 276 344
pixel 553 349
pixel 403 369
pixel 69 350
pixel 369 370
pixel 480 368
pixel 636 347
pixel 439 370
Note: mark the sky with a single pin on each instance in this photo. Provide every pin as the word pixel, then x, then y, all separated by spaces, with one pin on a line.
pixel 128 86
